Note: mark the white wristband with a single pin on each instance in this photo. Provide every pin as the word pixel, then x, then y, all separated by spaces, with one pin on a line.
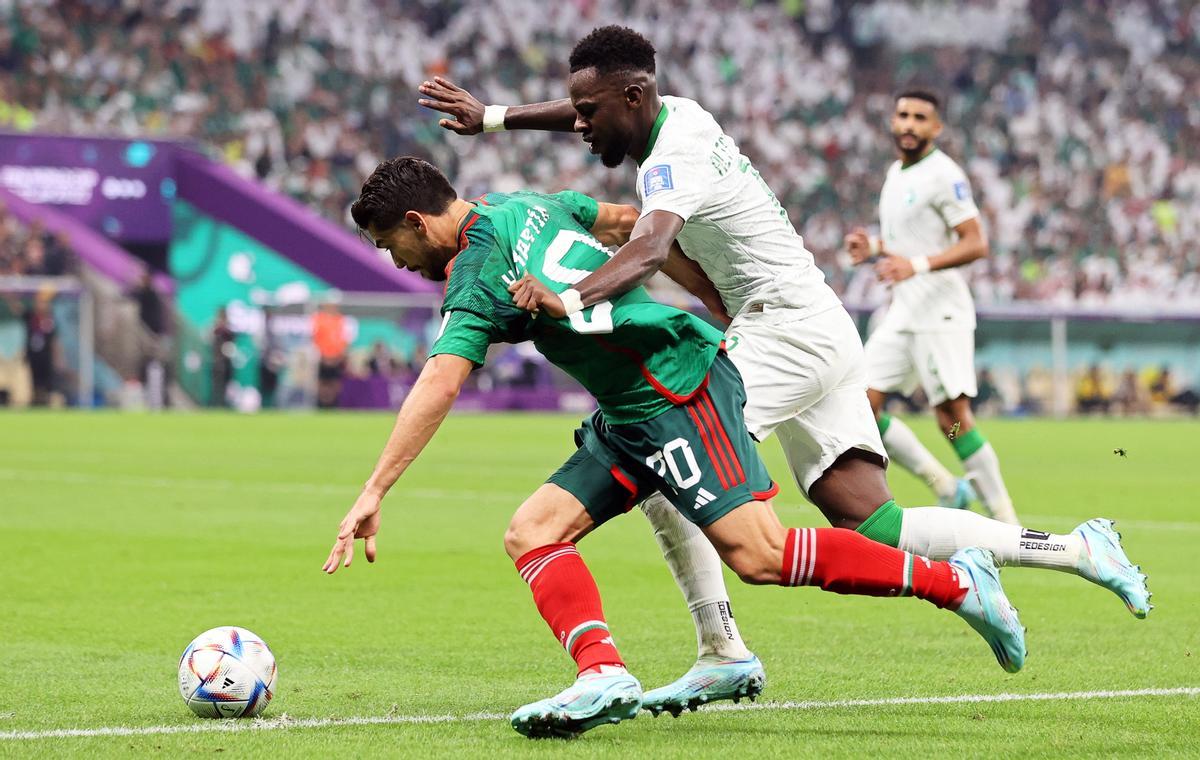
pixel 920 264
pixel 571 301
pixel 493 118
pixel 874 245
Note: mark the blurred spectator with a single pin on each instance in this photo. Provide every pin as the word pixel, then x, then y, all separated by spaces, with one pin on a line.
pixel 155 344
pixel 223 350
pixel 380 363
pixel 329 336
pixel 988 400
pixel 1093 391
pixel 1130 397
pixel 42 352
pixel 31 250
pixel 271 361
pixel 1163 392
pixel 1037 393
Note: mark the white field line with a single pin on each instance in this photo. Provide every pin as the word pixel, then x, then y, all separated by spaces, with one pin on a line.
pixel 334 489
pixel 386 720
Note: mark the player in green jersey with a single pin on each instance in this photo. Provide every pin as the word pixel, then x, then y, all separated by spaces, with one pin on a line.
pixel 670 420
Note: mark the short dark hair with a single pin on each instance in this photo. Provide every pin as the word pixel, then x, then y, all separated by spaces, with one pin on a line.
pixel 613 49
pixel 398 186
pixel 920 93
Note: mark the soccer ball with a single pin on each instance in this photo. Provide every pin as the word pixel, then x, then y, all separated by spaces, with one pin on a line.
pixel 227 672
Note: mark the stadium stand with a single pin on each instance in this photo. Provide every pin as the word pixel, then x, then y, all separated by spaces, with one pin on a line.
pixel 1081 139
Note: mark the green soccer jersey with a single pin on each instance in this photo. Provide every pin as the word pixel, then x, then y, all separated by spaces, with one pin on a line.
pixel 635 355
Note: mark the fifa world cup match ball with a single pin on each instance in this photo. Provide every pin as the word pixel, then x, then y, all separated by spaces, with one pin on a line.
pixel 227 672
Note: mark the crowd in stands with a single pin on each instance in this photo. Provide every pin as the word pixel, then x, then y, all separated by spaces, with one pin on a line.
pixel 30 250
pixel 1079 123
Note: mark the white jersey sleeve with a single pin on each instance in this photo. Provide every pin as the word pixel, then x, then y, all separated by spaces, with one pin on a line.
pixel 733 225
pixel 677 182
pixel 952 195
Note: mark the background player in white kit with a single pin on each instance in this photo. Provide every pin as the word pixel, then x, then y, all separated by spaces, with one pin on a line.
pixel 929 227
pixel 795 346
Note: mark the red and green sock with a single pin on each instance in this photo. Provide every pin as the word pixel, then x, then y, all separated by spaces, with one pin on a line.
pixel 846 562
pixel 566 595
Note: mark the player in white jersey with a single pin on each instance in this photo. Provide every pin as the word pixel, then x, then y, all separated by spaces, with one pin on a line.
pixel 929 229
pixel 795 346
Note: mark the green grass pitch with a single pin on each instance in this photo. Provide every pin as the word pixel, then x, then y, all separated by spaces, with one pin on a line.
pixel 122 537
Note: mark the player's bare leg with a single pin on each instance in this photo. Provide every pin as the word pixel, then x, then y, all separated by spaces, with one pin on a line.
pixel 724 667
pixel 905 449
pixel 541 541
pixel 978 457
pixel 754 544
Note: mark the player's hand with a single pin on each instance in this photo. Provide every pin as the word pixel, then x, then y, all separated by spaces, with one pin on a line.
pixel 447 97
pixel 858 245
pixel 362 521
pixel 893 268
pixel 531 295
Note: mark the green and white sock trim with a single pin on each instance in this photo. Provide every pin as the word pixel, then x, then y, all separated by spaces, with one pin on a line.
pixel 579 630
pixel 906 585
pixel 968 443
pixel 883 421
pixel 884 524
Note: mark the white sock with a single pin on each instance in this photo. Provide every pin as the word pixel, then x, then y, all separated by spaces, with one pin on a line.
pixel 937 533
pixel 698 572
pixel 906 450
pixel 983 468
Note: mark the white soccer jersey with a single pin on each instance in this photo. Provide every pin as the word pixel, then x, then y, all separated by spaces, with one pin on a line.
pixel 919 208
pixel 734 226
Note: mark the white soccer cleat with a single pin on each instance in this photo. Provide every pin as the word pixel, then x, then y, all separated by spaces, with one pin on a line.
pixel 1104 563
pixel 593 700
pixel 987 609
pixel 711 679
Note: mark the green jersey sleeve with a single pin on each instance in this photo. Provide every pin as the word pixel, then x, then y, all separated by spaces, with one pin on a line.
pixel 583 208
pixel 465 334
pixel 477 310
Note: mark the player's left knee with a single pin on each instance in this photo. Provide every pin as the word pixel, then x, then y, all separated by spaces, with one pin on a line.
pixel 530 529
pixel 523 536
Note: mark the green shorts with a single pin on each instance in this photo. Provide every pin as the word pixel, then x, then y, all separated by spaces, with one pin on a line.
pixel 698 454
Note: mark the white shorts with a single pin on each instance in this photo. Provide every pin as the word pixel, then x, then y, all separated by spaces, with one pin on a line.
pixel 943 363
pixel 805 380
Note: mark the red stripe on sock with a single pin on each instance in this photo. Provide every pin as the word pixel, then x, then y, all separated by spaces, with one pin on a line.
pixel 846 562
pixel 708 446
pixel 741 476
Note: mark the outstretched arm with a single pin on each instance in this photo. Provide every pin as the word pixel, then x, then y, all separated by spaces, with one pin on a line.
pixel 467 112
pixel 646 252
pixel 422 413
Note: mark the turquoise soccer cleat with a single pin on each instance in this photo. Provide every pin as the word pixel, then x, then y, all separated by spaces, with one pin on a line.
pixel 962 497
pixel 591 701
pixel 987 609
pixel 711 679
pixel 1104 563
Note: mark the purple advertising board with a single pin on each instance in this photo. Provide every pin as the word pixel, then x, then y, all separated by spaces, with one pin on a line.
pixel 120 188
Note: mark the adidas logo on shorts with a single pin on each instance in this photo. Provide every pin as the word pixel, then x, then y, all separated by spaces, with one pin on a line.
pixel 704 498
